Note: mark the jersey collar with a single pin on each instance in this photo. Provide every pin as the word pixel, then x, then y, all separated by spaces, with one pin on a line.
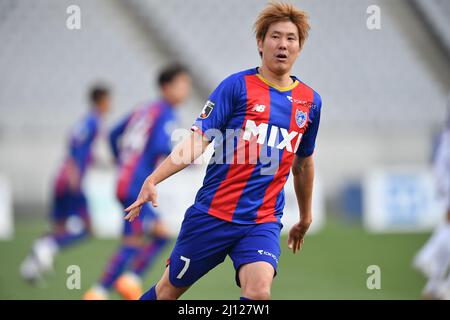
pixel 273 85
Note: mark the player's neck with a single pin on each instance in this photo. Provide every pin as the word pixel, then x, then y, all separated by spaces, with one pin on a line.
pixel 170 102
pixel 283 80
pixel 99 112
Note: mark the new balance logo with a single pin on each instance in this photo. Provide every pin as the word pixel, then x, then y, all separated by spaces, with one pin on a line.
pixel 259 108
pixel 260 131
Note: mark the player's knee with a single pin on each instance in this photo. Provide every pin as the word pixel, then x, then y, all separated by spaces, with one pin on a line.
pixel 261 293
pixel 159 230
pixel 133 240
pixel 59 228
pixel 257 291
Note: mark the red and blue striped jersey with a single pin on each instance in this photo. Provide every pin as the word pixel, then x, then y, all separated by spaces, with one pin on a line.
pixel 257 129
pixel 138 142
pixel 81 140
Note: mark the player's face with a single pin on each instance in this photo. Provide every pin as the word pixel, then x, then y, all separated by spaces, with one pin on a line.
pixel 280 47
pixel 104 104
pixel 178 90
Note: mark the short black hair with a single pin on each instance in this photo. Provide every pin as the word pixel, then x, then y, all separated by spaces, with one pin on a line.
pixel 167 74
pixel 97 93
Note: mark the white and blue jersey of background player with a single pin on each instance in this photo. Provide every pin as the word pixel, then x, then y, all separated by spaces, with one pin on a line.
pixel 138 143
pixel 69 198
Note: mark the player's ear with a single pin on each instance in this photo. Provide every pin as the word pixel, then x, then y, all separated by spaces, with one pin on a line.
pixel 259 43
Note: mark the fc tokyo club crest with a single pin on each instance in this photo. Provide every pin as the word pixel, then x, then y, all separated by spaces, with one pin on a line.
pixel 300 118
pixel 207 109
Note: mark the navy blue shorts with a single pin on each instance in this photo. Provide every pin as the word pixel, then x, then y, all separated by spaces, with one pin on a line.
pixel 69 204
pixel 205 241
pixel 141 224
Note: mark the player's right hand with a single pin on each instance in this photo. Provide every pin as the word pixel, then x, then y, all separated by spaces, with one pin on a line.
pixel 147 194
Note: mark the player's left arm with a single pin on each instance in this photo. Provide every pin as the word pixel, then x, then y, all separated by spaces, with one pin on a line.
pixel 115 134
pixel 303 176
pixel 80 148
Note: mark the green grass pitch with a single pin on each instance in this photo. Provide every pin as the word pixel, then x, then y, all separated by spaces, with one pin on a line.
pixel 332 265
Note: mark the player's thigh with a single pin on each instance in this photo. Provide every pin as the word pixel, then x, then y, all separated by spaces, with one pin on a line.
pixel 154 225
pixel 159 229
pixel 81 210
pixel 260 244
pixel 166 291
pixel 203 242
pixel 256 280
pixel 59 226
pixel 61 206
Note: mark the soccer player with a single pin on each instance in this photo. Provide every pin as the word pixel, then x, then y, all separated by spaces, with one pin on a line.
pixel 433 260
pixel 264 122
pixel 69 201
pixel 139 142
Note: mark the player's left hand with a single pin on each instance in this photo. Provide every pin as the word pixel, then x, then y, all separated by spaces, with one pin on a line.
pixel 297 235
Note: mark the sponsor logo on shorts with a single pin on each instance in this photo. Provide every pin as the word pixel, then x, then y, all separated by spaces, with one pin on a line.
pixel 267 253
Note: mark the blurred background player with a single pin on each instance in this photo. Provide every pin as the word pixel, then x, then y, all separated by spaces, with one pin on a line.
pixel 433 260
pixel 139 142
pixel 69 215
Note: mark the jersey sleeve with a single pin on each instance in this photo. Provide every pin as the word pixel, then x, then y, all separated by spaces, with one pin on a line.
pixel 441 163
pixel 82 138
pixel 163 142
pixel 308 142
pixel 115 134
pixel 218 109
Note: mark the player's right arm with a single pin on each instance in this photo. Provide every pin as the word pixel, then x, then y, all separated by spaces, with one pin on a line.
pixel 181 157
pixel 214 116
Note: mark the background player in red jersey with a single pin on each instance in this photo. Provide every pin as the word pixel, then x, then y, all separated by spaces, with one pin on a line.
pixel 69 200
pixel 139 142
pixel 228 218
